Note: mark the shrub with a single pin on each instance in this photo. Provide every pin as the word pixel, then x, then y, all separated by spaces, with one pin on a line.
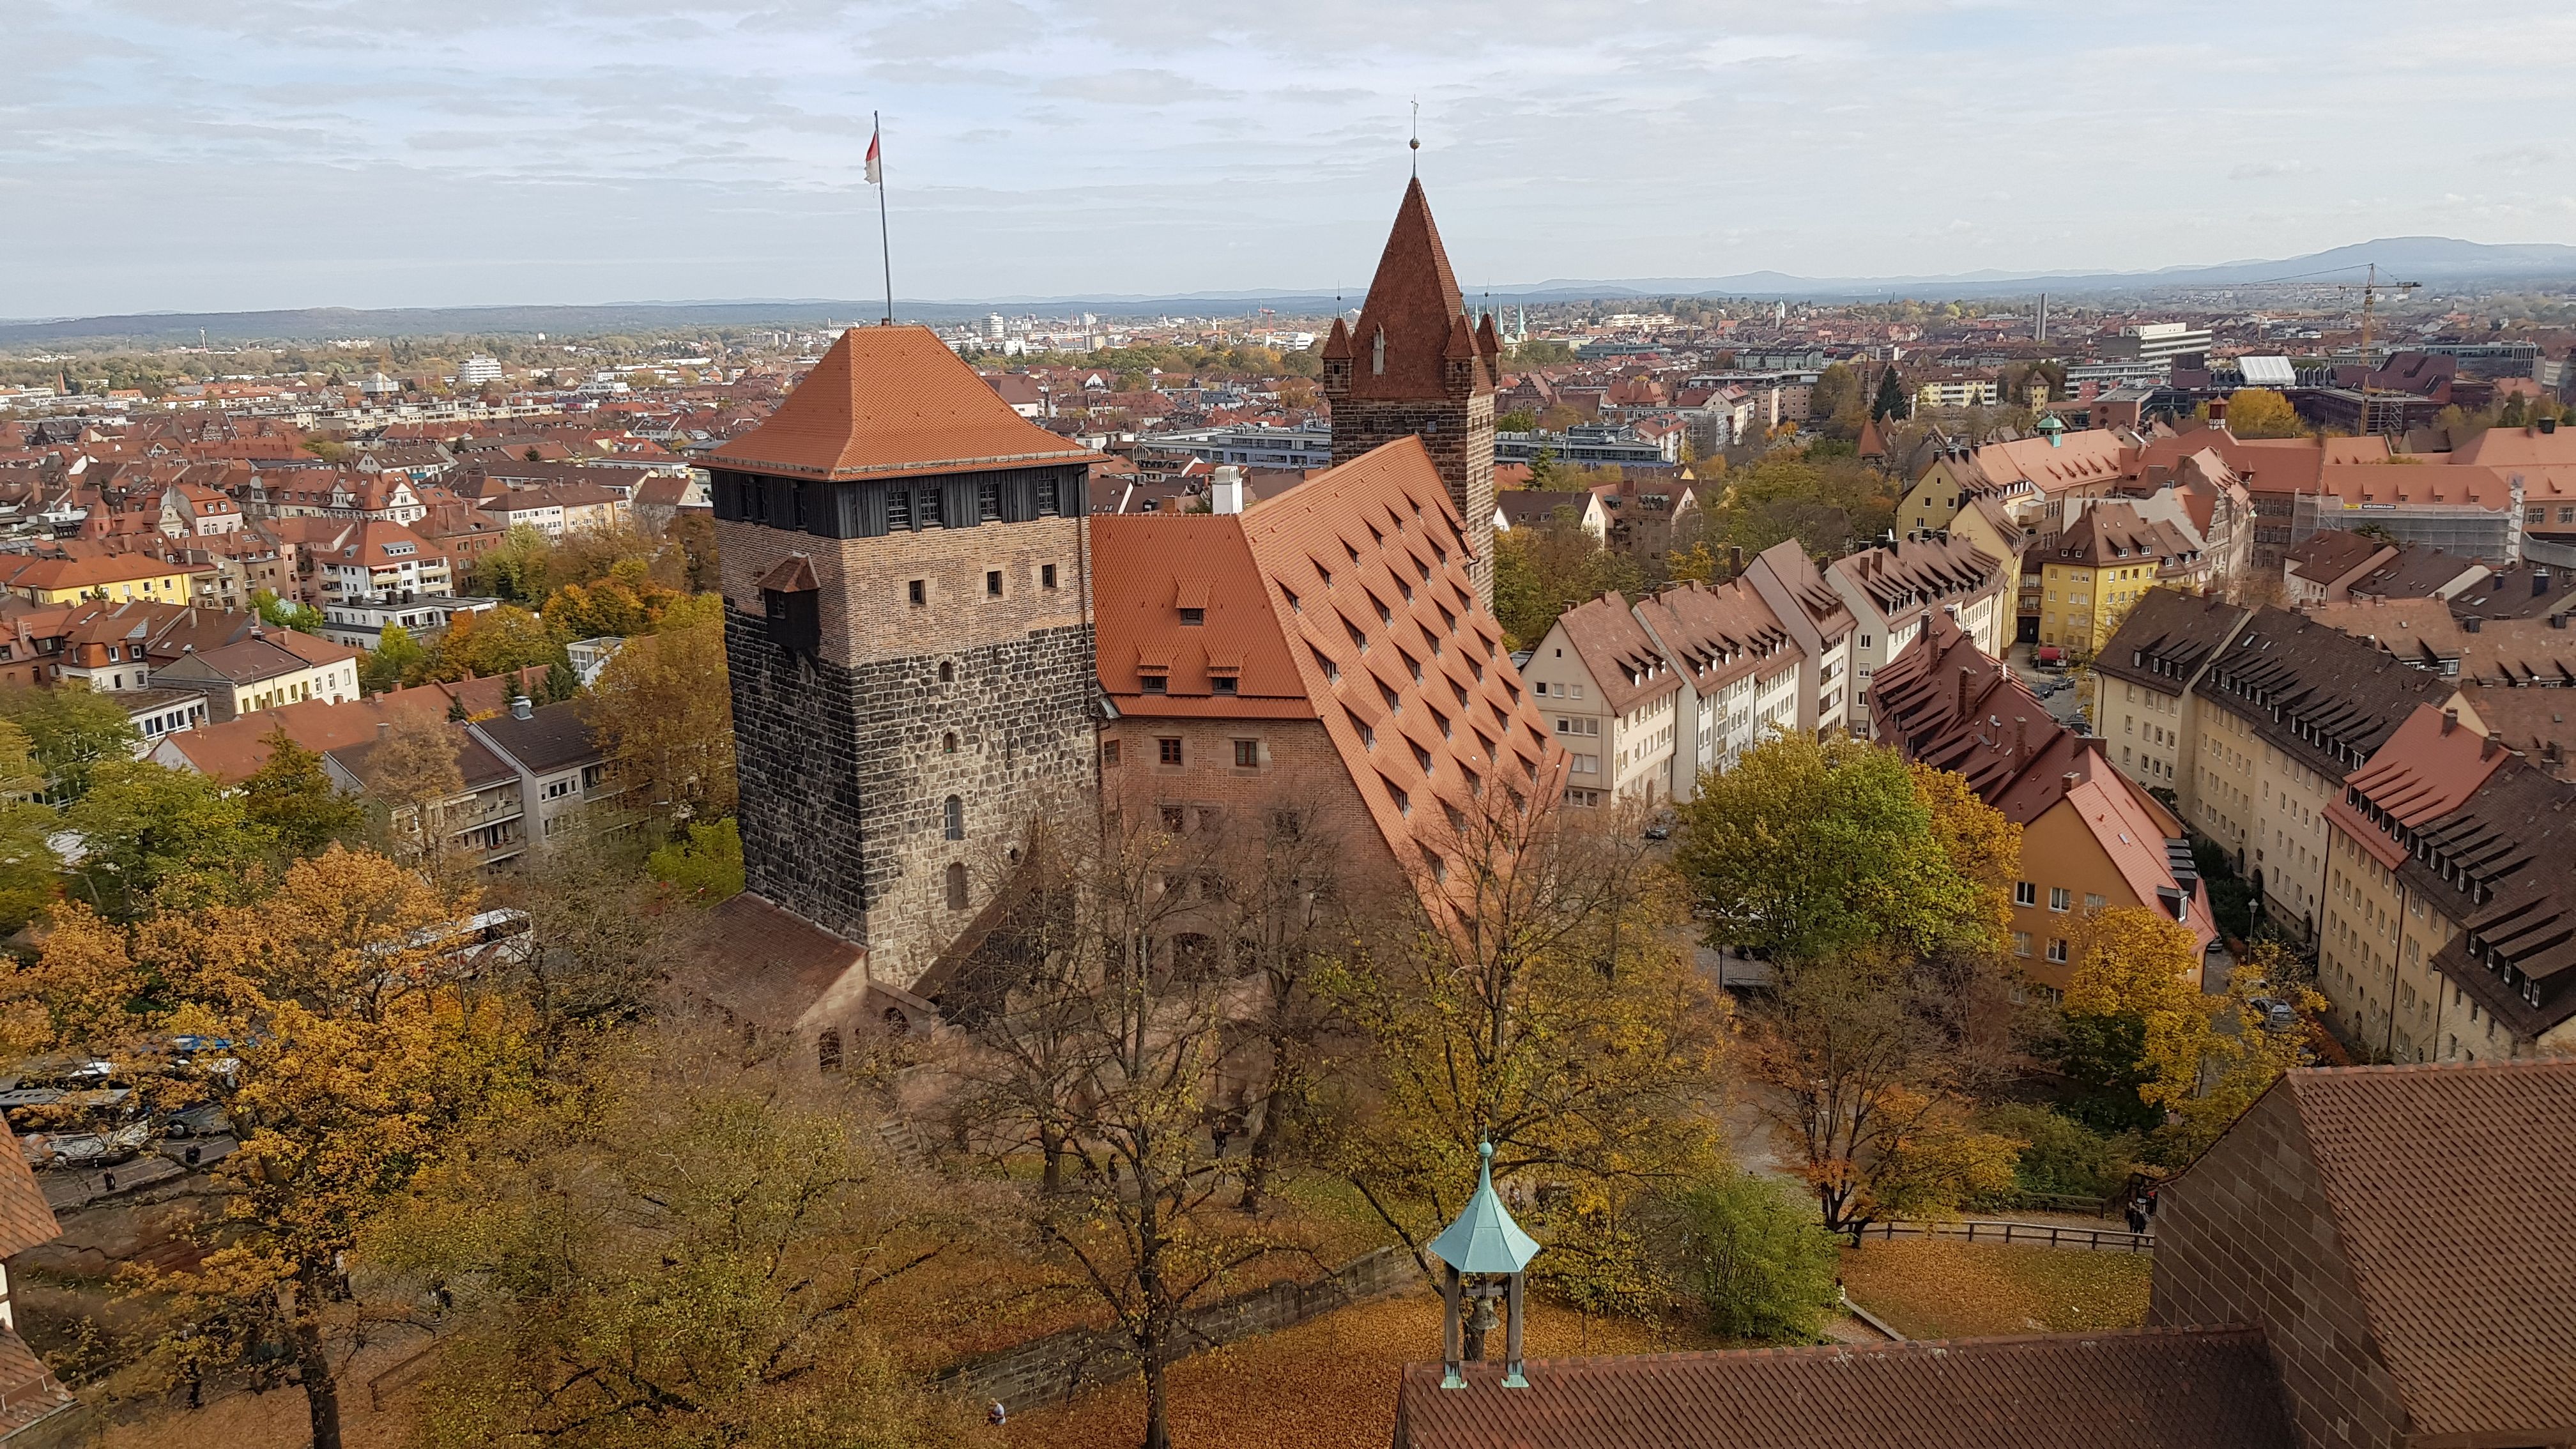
pixel 2064 1155
pixel 1760 1264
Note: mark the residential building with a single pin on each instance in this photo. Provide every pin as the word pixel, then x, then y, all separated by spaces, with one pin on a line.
pixel 567 790
pixel 1819 623
pixel 1954 394
pixel 1892 588
pixel 2102 565
pixel 2144 689
pixel 54 579
pixel 2160 343
pixel 1613 700
pixel 2319 568
pixel 1534 507
pixel 360 623
pixel 1255 445
pixel 485 822
pixel 272 667
pixel 377 562
pixel 1740 675
pixel 2034 478
pixel 2092 838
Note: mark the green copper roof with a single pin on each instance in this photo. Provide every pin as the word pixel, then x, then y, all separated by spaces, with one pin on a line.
pixel 1485 1239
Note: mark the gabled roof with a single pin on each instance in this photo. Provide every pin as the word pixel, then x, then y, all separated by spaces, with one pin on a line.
pixel 2428 769
pixel 1718 634
pixel 1917 572
pixel 2168 638
pixel 1617 652
pixel 894 402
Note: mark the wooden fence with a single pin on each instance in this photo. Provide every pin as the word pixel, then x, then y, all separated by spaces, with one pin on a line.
pixel 2032 1235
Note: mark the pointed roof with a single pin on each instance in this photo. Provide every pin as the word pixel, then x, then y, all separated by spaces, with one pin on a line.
pixel 894 402
pixel 1485 1239
pixel 1872 445
pixel 1414 300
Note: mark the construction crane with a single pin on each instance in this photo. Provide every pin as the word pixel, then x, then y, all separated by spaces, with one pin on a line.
pixel 2371 287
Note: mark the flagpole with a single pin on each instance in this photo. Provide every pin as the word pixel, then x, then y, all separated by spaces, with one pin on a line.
pixel 885 248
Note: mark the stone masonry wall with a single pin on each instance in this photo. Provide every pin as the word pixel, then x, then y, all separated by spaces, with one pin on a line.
pixel 849 755
pixel 2247 1237
pixel 1051 1369
pixel 1299 770
pixel 1459 432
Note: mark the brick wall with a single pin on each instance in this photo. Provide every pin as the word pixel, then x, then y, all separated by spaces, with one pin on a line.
pixel 2246 1237
pixel 1459 432
pixel 849 755
pixel 1051 1369
pixel 1300 769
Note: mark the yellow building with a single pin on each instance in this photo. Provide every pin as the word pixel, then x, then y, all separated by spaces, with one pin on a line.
pixel 116 578
pixel 2106 561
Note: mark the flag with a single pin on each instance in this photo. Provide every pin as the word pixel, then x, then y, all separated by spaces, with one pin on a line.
pixel 876 168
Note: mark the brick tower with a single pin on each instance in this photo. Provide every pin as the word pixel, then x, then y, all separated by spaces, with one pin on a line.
pixel 1417 365
pixel 908 627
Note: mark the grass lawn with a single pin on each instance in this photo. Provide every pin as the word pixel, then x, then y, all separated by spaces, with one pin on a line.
pixel 1325 1384
pixel 1943 1288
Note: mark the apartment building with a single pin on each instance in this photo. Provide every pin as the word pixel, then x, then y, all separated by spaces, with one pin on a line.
pixel 1613 700
pixel 1819 623
pixel 2143 698
pixel 2103 564
pixel 268 669
pixel 2034 478
pixel 1739 671
pixel 1892 588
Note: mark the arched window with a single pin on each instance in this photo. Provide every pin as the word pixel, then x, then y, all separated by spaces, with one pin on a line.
pixel 828 1049
pixel 956 887
pixel 947 672
pixel 948 743
pixel 954 814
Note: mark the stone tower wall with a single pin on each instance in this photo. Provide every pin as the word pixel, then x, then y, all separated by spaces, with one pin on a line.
pixel 845 764
pixel 1458 431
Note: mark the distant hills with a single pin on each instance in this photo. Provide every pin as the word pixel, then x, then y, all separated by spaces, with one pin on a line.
pixel 2412 258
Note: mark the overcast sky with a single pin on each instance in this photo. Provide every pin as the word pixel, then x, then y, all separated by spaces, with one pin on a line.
pixel 185 155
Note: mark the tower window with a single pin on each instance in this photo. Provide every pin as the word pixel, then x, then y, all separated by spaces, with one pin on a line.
pixel 1109 753
pixel 992 583
pixel 1247 754
pixel 1048 504
pixel 917 593
pixel 1046 576
pixel 988 502
pixel 953 817
pixel 948 743
pixel 947 672
pixel 1194 616
pixel 934 508
pixel 1168 751
pixel 898 508
pixel 956 886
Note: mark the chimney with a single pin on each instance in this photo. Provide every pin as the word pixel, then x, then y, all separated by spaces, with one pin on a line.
pixel 384 729
pixel 2021 736
pixel 2450 720
pixel 1226 496
pixel 1734 559
pixel 522 708
pixel 2495 742
pixel 1966 677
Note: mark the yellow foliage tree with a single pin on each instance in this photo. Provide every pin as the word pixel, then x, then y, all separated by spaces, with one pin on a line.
pixel 2144 964
pixel 667 715
pixel 2259 412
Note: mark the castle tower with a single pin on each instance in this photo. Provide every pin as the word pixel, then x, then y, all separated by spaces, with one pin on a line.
pixel 1416 364
pixel 908 628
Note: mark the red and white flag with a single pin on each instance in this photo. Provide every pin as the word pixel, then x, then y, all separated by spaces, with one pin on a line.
pixel 876 167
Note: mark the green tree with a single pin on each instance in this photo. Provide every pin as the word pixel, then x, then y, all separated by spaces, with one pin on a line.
pixel 1757 1260
pixel 303 618
pixel 1542 570
pixel 1836 390
pixel 73 731
pixel 291 798
pixel 705 865
pixel 1891 401
pixel 1518 420
pixel 27 860
pixel 517 568
pixel 142 827
pixel 1812 848
pixel 394 662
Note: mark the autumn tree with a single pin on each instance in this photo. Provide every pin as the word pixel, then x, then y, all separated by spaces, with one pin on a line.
pixel 669 1248
pixel 624 602
pixel 665 716
pixel 397 660
pixel 1528 990
pixel 2260 412
pixel 291 798
pixel 72 731
pixel 599 942
pixel 142 827
pixel 1760 1265
pixel 516 568
pixel 1807 849
pixel 501 640
pixel 27 860
pixel 1541 570
pixel 413 782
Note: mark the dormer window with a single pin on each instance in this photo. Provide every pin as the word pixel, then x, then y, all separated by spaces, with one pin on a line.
pixel 1193 616
pixel 1221 684
pixel 1154 683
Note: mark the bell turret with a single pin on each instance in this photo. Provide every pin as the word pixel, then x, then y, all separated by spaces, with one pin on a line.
pixel 1485 1253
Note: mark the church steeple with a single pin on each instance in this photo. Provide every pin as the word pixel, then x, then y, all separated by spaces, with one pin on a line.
pixel 1414 300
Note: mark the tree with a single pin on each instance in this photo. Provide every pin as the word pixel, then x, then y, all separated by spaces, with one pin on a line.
pixel 2143 966
pixel 1836 390
pixel 396 660
pixel 625 602
pixel 516 568
pixel 340 1054
pixel 1518 420
pixel 1868 1064
pixel 291 799
pixel 704 865
pixel 1824 498
pixel 502 640
pixel 143 827
pixel 72 730
pixel 1529 991
pixel 412 780
pixel 303 618
pixel 674 1250
pixel 1542 570
pixel 27 860
pixel 1809 848
pixel 600 943
pixel 1891 401
pixel 2259 412
pixel 665 715
pixel 1760 1265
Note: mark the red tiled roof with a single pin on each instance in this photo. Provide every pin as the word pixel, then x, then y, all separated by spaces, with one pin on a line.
pixel 2429 768
pixel 2454 1195
pixel 2188 1388
pixel 1414 299
pixel 25 1218
pixel 894 402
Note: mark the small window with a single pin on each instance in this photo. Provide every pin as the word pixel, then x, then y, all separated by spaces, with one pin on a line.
pixel 1221 684
pixel 947 672
pixel 1167 751
pixel 2060 898
pixel 992 583
pixel 1046 576
pixel 953 818
pixel 934 508
pixel 2057 949
pixel 1109 753
pixel 2025 894
pixel 956 886
pixel 2021 943
pixel 898 509
pixel 988 502
pixel 948 743
pixel 917 593
pixel 1153 683
pixel 1175 819
pixel 1247 754
pixel 1194 616
pixel 2094 902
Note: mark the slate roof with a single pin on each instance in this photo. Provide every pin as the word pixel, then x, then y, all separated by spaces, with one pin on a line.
pixel 2149 1389
pixel 2504 866
pixel 2317 694
pixel 894 402
pixel 2168 637
pixel 550 738
pixel 2454 1194
pixel 1918 572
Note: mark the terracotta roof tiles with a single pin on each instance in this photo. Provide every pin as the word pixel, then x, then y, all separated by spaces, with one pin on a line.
pixel 894 402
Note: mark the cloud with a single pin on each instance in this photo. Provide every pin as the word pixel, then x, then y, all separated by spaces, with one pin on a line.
pixel 2265 170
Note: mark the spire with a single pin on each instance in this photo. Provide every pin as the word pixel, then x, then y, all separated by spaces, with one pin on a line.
pixel 1486 1245
pixel 1484 1239
pixel 1414 298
